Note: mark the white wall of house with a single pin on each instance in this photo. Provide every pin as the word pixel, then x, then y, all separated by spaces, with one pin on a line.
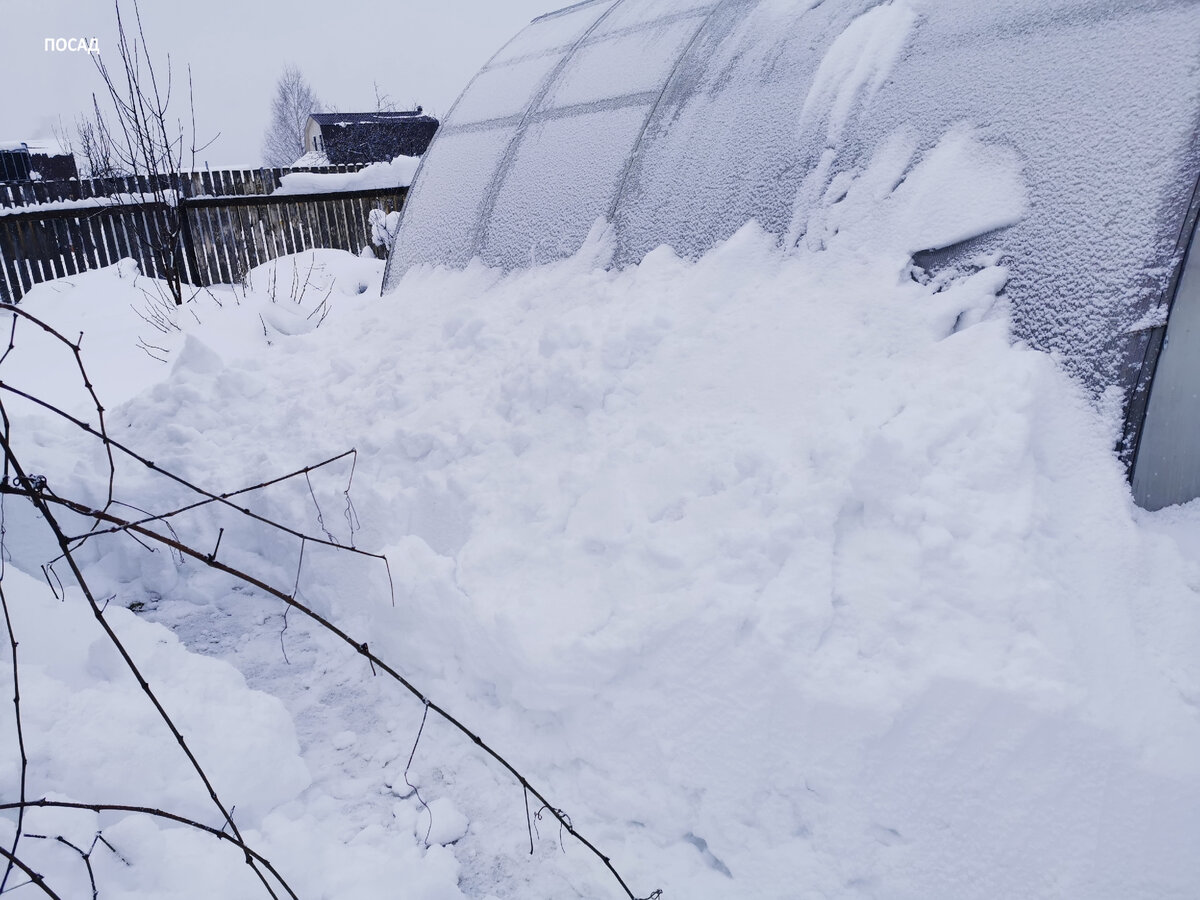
pixel 312 132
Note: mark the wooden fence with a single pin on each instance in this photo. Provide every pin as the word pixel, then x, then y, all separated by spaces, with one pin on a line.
pixel 223 237
pixel 206 183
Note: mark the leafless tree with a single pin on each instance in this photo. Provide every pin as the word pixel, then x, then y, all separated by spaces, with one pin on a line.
pixel 294 101
pixel 383 100
pixel 91 148
pixel 136 132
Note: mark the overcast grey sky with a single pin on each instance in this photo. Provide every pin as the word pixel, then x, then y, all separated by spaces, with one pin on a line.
pixel 419 51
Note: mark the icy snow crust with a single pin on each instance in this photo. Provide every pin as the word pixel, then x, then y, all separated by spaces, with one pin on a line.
pixel 785 575
pixel 681 120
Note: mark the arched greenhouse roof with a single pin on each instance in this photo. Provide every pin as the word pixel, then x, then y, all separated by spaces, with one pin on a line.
pixel 1060 136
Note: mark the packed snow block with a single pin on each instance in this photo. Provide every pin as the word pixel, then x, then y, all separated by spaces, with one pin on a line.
pixel 1046 134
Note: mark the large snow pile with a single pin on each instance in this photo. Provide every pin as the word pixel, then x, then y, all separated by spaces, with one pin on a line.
pixel 782 573
pixel 397 172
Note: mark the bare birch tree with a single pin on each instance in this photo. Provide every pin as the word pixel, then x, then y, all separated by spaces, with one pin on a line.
pixel 294 101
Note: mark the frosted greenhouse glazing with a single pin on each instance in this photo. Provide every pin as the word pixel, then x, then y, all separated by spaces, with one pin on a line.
pixel 680 120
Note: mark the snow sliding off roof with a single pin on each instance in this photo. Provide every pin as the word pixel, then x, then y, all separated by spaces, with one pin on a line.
pixel 1060 134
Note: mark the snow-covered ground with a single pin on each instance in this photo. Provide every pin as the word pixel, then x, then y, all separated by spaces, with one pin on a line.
pixel 784 574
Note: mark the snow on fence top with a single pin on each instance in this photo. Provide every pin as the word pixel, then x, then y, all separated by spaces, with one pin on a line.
pixel 1060 134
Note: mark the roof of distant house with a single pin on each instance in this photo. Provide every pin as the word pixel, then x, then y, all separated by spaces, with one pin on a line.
pixel 48 146
pixel 370 118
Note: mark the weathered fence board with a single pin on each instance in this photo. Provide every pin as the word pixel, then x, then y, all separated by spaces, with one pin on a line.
pixel 223 237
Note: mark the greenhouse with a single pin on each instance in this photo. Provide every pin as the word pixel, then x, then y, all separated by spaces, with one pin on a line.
pixel 929 121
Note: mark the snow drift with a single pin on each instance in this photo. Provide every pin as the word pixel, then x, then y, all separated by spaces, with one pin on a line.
pixel 784 573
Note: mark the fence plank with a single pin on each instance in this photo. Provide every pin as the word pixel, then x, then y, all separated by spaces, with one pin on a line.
pixel 75 257
pixel 65 252
pixel 291 213
pixel 133 222
pixel 271 226
pixel 187 247
pixel 66 249
pixel 248 255
pixel 48 250
pixel 22 248
pixel 93 241
pixel 346 227
pixel 82 240
pixel 221 272
pixel 219 229
pixel 230 232
pixel 120 226
pixel 240 245
pixel 150 240
pixel 312 237
pixel 139 240
pixel 233 244
pixel 258 234
pixel 355 209
pixel 9 255
pixel 340 226
pixel 31 252
pixel 285 228
pixel 39 267
pixel 204 223
pixel 352 228
pixel 104 220
pixel 220 242
pixel 326 236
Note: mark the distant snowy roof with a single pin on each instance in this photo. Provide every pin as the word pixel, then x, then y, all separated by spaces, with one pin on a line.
pixel 48 146
pixel 367 118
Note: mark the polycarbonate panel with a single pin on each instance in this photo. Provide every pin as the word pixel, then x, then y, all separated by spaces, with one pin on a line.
pixel 503 90
pixel 629 62
pixel 725 144
pixel 1168 460
pixel 446 199
pixel 553 31
pixel 545 208
pixel 628 15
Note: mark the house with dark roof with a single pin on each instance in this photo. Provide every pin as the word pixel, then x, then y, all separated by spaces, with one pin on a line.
pixel 368 137
pixel 35 160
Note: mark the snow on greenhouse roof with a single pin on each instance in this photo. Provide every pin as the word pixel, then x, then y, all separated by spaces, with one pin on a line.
pixel 1061 134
